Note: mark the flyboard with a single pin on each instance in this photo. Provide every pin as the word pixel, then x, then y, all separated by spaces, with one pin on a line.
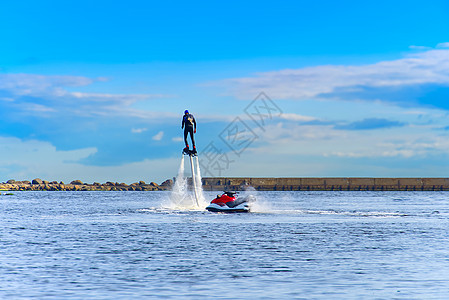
pixel 191 154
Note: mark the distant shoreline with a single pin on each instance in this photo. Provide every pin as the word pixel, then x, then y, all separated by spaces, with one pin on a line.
pixel 242 183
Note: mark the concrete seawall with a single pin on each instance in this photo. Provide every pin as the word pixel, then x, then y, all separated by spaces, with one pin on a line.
pixel 326 184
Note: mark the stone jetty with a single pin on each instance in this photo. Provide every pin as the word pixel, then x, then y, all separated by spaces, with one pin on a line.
pixel 77 185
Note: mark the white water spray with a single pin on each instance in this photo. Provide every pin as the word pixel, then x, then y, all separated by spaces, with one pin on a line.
pixel 195 191
pixel 199 183
pixel 181 197
pixel 261 205
pixel 178 194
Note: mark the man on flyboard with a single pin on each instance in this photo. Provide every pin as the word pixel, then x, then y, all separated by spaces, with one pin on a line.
pixel 189 126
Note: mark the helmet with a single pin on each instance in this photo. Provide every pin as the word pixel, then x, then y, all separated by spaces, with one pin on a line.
pixel 186 111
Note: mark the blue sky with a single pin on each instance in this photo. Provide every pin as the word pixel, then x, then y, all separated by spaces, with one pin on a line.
pixel 95 90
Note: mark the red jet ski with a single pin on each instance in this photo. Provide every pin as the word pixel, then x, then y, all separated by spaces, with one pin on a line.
pixel 229 203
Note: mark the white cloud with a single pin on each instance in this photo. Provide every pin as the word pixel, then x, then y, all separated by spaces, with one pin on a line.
pixel 414 47
pixel 417 146
pixel 124 99
pixel 37 85
pixel 14 150
pixel 439 45
pixel 50 91
pixel 430 67
pixel 298 140
pixel 177 139
pixel 27 158
pixel 158 136
pixel 138 130
pixel 443 45
pixel 33 107
pixel 296 117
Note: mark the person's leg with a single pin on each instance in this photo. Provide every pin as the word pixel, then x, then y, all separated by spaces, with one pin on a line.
pixel 191 136
pixel 185 137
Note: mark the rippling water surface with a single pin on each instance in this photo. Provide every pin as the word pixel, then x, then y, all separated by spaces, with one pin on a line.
pixel 297 245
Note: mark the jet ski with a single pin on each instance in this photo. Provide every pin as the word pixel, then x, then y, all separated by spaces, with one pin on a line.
pixel 229 203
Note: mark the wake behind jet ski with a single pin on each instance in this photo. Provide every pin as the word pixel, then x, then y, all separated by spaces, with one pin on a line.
pixel 229 203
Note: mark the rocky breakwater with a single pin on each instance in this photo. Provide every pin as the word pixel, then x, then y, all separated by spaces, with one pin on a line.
pixel 77 185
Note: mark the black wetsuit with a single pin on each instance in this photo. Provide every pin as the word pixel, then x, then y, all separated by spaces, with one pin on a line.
pixel 189 125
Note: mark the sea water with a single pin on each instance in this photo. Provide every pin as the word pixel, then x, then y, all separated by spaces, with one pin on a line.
pixel 296 245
